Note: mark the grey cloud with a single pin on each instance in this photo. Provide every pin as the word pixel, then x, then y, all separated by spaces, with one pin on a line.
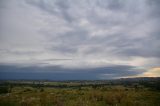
pixel 145 47
pixel 82 28
pixel 59 73
pixel 2 4
pixel 41 4
pixel 63 6
pixel 65 9
pixel 19 52
pixel 58 7
pixel 116 5
pixel 62 59
pixel 155 4
pixel 64 49
pixel 70 41
pixel 78 36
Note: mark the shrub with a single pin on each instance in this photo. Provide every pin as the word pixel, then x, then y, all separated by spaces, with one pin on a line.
pixel 41 90
pixel 3 90
pixel 27 89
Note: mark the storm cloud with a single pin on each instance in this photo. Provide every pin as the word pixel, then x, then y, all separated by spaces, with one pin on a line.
pixel 60 73
pixel 82 35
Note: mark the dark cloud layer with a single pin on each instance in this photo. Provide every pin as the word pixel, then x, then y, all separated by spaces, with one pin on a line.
pixel 60 73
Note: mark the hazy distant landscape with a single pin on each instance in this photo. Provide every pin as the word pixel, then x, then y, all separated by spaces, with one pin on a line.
pixel 120 92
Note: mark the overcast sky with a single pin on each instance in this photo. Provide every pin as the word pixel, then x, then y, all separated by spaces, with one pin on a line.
pixel 79 39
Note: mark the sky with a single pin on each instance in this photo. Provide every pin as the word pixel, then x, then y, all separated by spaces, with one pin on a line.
pixel 79 39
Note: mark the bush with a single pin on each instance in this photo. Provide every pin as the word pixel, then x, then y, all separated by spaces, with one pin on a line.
pixel 41 90
pixel 3 90
pixel 27 90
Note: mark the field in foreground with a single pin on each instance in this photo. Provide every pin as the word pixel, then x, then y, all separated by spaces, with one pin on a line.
pixel 76 93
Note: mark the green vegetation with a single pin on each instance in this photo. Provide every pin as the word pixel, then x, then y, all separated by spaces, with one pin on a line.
pixel 78 94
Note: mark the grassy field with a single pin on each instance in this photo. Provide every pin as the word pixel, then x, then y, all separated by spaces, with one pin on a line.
pixel 65 94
